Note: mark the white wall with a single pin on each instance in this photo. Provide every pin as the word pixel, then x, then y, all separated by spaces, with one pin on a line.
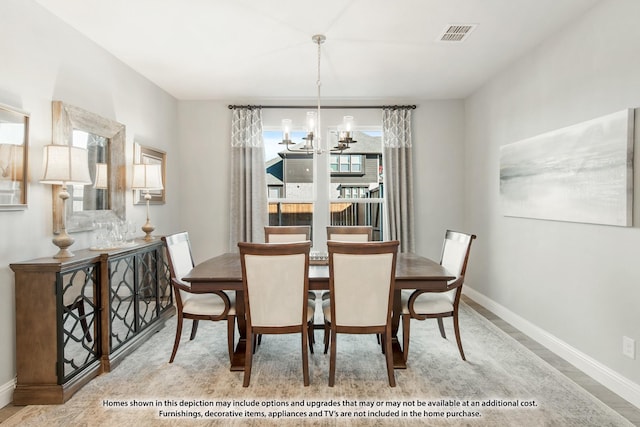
pixel 43 59
pixel 205 152
pixel 576 286
pixel 438 130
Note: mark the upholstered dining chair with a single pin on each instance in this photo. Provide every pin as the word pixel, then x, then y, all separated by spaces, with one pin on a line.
pixel 212 305
pixel 344 233
pixel 422 305
pixel 361 285
pixel 275 281
pixel 290 234
pixel 287 233
pixel 350 233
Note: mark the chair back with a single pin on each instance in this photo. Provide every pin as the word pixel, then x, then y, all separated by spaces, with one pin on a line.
pixel 275 280
pixel 179 254
pixel 455 252
pixel 287 234
pixel 350 233
pixel 361 282
pixel 79 287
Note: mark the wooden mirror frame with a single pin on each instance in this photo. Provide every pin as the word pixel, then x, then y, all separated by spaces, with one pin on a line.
pixel 66 118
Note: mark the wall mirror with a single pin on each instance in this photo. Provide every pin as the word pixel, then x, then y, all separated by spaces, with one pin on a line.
pixel 104 139
pixel 14 137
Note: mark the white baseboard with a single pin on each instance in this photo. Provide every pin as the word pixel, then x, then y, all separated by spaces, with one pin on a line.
pixel 615 382
pixel 6 393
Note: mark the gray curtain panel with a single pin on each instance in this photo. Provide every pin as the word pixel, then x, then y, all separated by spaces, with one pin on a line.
pixel 249 210
pixel 398 176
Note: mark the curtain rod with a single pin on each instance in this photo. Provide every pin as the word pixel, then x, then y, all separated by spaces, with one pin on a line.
pixel 328 107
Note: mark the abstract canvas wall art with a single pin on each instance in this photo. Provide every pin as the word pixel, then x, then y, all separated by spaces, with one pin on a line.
pixel 581 173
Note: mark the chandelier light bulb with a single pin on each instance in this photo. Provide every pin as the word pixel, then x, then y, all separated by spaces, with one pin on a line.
pixel 311 121
pixel 286 130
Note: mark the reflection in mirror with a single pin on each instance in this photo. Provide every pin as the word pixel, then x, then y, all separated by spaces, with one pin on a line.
pixel 91 197
pixel 104 139
pixel 14 132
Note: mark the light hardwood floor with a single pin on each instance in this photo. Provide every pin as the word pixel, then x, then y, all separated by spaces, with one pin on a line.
pixel 602 393
pixel 612 400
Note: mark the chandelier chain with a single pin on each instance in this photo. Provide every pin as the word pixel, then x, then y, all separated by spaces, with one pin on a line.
pixel 319 39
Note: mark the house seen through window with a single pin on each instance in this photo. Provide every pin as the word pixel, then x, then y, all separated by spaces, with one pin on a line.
pixel 332 188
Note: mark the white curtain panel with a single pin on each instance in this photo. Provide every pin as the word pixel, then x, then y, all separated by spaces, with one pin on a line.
pixel 249 210
pixel 398 176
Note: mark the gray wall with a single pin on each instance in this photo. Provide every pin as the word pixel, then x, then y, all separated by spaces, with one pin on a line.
pixel 574 287
pixel 43 59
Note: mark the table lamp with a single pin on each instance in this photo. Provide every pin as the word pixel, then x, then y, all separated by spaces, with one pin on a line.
pixel 64 165
pixel 147 178
pixel 102 176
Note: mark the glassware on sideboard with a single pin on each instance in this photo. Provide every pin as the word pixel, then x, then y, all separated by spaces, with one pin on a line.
pixel 112 235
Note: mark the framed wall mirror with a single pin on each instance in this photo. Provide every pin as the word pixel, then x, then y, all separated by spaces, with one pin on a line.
pixel 150 156
pixel 104 140
pixel 14 140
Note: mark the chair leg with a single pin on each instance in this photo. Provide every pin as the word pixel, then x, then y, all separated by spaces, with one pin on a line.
pixel 406 323
pixel 305 355
pixel 441 327
pixel 326 336
pixel 259 339
pixel 248 354
pixel 176 343
pixel 231 330
pixel 456 328
pixel 83 321
pixel 194 329
pixel 389 357
pixel 310 334
pixel 332 359
pixel 255 343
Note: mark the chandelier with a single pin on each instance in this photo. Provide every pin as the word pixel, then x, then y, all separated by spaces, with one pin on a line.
pixel 313 127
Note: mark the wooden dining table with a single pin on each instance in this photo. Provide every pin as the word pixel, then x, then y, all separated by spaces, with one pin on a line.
pixel 224 272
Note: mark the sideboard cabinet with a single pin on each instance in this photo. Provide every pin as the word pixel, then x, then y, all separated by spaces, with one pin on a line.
pixel 79 317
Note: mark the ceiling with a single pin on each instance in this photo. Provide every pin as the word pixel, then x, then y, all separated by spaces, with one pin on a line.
pixel 257 50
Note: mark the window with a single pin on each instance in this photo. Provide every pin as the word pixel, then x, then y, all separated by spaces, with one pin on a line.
pixel 346 163
pixel 328 189
pixel 347 192
pixel 290 184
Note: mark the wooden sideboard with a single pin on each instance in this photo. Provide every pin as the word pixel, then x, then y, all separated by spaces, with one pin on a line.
pixel 78 317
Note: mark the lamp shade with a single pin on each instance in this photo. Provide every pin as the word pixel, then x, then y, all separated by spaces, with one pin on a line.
pixel 11 157
pixel 102 176
pixel 65 164
pixel 147 177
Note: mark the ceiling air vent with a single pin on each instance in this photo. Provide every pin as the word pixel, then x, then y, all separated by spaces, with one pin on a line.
pixel 456 32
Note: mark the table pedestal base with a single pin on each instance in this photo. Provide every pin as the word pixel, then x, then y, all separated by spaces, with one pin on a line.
pixel 237 362
pixel 398 354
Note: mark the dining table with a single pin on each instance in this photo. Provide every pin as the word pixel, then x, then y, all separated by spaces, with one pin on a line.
pixel 224 273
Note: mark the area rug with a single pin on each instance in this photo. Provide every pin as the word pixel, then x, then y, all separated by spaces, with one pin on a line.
pixel 501 384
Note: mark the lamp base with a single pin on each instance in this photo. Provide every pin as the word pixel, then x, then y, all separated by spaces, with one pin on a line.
pixel 63 241
pixel 148 229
